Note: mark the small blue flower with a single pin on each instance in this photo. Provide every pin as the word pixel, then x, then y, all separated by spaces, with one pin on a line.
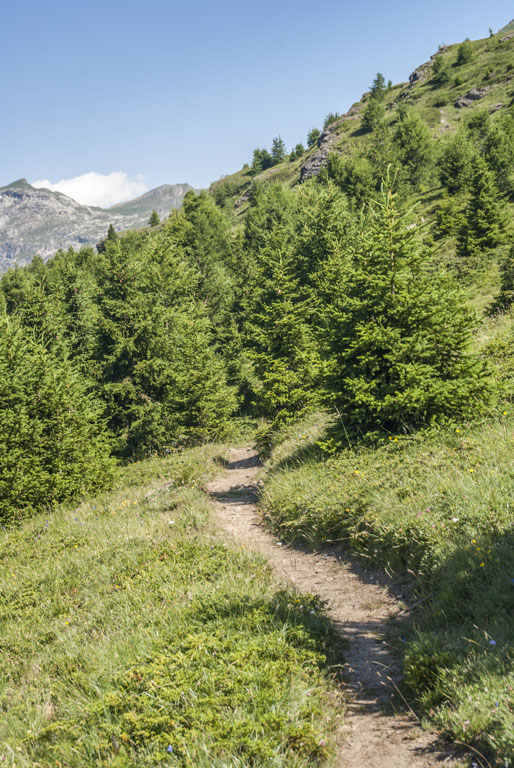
pixel 170 748
pixel 492 642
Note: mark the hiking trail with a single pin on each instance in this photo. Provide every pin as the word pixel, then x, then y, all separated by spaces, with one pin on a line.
pixel 359 603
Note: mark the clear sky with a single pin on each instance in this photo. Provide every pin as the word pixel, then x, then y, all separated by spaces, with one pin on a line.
pixel 184 91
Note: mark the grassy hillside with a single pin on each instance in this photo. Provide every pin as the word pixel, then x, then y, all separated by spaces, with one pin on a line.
pixel 434 511
pixel 490 71
pixel 130 635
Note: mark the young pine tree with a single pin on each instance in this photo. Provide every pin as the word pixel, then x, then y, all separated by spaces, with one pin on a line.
pixel 53 445
pixel 158 366
pixel 484 223
pixel 278 150
pixel 399 332
pixel 505 299
pixel 414 147
pixel 278 337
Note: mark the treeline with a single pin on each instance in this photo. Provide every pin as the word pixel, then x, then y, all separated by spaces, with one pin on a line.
pixel 120 353
pixel 330 294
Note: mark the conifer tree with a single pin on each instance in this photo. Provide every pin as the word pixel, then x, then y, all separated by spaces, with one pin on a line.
pixel 454 163
pixel 202 232
pixel 313 136
pixel 374 112
pixel 144 335
pixel 278 150
pixel 279 340
pixel 154 220
pixel 414 146
pixel 484 217
pixel 374 115
pixel 505 298
pixel 399 333
pixel 355 176
pixel 52 442
pixel 464 53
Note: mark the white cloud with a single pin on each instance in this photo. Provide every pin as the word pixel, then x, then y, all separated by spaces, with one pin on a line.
pixel 98 188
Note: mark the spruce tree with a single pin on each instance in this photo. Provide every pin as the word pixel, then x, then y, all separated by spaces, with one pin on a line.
pixel 414 145
pixel 279 340
pixel 374 115
pixel 484 224
pixel 146 374
pixel 454 163
pixel 399 333
pixel 313 136
pixel 154 219
pixel 278 150
pixel 505 299
pixel 464 53
pixel 53 446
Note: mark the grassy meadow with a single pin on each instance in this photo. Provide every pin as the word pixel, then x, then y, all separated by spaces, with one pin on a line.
pixel 130 635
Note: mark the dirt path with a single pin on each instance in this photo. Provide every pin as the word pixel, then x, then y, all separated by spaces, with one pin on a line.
pixel 359 604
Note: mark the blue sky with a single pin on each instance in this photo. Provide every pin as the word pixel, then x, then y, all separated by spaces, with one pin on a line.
pixel 168 92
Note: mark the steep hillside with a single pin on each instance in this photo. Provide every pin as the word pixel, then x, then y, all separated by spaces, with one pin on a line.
pixel 485 81
pixel 39 221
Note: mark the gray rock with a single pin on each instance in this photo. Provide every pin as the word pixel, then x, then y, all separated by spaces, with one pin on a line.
pixel 475 94
pixel 39 221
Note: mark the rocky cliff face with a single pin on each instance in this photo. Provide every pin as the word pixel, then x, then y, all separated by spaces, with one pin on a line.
pixel 38 221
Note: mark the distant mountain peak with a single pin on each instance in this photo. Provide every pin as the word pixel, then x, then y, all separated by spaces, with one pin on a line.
pixel 18 184
pixel 41 221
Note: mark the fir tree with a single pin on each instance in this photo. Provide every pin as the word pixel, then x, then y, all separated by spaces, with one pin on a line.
pixel 378 88
pixel 374 115
pixel 399 333
pixel 144 334
pixel 505 299
pixel 454 163
pixel 313 136
pixel 154 219
pixel 278 150
pixel 464 53
pixel 52 442
pixel 414 145
pixel 277 334
pixel 441 73
pixel 483 228
pixel 355 176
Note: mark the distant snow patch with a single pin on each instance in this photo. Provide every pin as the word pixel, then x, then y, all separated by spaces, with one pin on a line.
pixel 102 189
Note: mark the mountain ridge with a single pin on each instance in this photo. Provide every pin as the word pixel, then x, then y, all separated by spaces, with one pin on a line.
pixel 41 221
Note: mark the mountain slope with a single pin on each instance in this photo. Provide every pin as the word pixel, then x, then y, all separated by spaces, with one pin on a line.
pixel 486 81
pixel 39 221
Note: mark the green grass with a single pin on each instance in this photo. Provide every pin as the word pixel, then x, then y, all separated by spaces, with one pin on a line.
pixel 436 511
pixel 131 636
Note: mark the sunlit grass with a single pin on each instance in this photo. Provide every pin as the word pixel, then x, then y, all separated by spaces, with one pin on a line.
pixel 131 635
pixel 436 511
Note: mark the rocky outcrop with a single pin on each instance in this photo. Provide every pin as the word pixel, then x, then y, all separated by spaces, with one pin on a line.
pixel 39 221
pixel 421 73
pixel 313 165
pixel 474 95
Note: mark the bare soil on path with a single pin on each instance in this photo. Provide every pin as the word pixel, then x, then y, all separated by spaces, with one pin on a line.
pixel 359 603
